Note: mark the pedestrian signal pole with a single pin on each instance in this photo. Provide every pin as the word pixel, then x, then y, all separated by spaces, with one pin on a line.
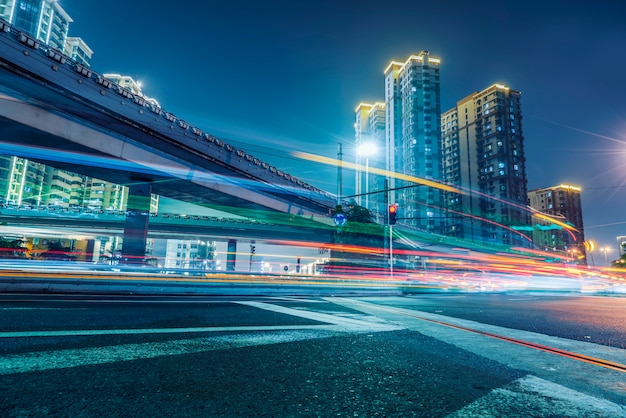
pixel 392 217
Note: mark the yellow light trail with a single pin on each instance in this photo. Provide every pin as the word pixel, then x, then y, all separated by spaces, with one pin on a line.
pixel 335 162
pixel 554 221
pixel 425 182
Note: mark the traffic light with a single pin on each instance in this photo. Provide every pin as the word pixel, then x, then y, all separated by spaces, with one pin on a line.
pixel 393 214
pixel 252 250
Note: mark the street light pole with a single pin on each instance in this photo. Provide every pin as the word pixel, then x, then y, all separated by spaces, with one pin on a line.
pixel 367 181
pixel 365 150
pixel 339 174
pixel 605 250
pixel 391 251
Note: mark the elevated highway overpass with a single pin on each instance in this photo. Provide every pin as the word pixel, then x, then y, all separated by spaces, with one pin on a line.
pixel 60 113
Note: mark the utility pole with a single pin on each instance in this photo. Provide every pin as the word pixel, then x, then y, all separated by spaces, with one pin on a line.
pixel 339 167
pixel 388 230
pixel 391 251
pixel 252 253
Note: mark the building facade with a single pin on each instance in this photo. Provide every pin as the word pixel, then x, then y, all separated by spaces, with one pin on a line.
pixel 562 202
pixel 21 181
pixel 483 154
pixel 130 84
pixel 412 140
pixel 43 19
pixel 370 157
pixel 78 50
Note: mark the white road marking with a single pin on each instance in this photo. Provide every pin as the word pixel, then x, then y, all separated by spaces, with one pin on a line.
pixel 61 359
pixel 133 331
pixel 533 396
pixel 38 309
pixel 295 299
pixel 367 323
pixel 333 325
pixel 579 376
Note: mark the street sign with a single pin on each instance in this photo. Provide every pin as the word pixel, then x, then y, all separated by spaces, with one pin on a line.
pixel 340 219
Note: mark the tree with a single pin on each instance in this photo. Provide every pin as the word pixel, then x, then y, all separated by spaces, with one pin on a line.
pixel 12 248
pixel 359 241
pixel 56 251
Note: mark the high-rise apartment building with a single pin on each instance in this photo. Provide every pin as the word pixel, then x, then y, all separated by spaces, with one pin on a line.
pixel 78 50
pixel 129 84
pixel 413 138
pixel 62 188
pixel 562 202
pixel 43 19
pixel 21 181
pixel 370 156
pixel 412 135
pixel 483 153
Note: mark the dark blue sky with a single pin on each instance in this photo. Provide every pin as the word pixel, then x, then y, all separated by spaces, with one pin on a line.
pixel 276 76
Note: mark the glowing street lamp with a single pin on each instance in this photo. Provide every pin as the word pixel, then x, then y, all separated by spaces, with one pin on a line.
pixel 605 250
pixel 367 149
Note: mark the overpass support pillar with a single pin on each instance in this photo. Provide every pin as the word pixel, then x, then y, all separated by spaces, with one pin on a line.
pixel 231 255
pixel 136 225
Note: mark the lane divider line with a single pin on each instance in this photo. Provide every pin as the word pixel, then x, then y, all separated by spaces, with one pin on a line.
pixel 349 323
pixel 89 356
pixel 139 331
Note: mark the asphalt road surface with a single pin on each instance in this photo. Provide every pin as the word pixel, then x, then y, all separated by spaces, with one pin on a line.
pixel 469 355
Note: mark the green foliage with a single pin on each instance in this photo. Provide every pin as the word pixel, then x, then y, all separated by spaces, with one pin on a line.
pixel 360 228
pixel 56 251
pixel 12 248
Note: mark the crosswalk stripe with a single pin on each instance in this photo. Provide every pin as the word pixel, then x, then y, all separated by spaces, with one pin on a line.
pixel 532 396
pixel 364 323
pixel 61 359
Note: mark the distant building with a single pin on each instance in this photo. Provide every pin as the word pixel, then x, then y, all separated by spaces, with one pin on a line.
pixel 483 153
pixel 21 181
pixel 621 244
pixel 178 254
pixel 130 84
pixel 562 202
pixel 98 194
pixel 62 188
pixel 26 182
pixel 43 19
pixel 370 145
pixel 78 50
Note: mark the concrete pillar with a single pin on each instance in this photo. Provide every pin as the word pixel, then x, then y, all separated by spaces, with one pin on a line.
pixel 90 253
pixel 231 255
pixel 136 225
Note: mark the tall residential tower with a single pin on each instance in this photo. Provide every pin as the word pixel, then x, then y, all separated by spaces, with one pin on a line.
pixel 44 19
pixel 370 141
pixel 561 202
pixel 412 140
pixel 483 150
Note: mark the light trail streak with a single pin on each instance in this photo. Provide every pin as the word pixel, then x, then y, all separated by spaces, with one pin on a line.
pixel 374 170
pixel 437 185
pixel 170 172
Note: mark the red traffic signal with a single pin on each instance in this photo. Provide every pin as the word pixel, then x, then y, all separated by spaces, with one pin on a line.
pixel 393 213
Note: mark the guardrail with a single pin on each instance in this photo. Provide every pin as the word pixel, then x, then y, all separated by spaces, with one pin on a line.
pixel 71 212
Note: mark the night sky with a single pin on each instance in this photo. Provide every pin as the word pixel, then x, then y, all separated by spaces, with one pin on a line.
pixel 273 77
